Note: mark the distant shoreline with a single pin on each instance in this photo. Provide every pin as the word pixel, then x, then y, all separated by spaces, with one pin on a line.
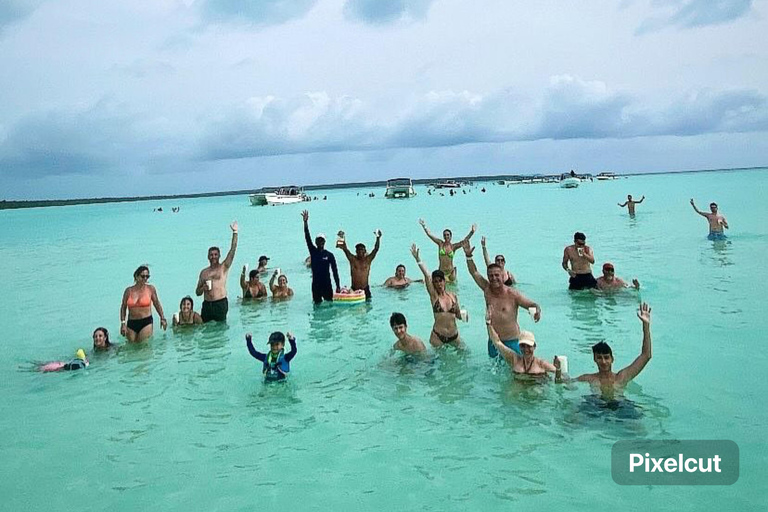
pixel 14 205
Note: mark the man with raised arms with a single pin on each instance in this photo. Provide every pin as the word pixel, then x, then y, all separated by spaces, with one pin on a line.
pixel 360 263
pixel 607 381
pixel 716 221
pixel 581 257
pixel 630 204
pixel 322 262
pixel 212 283
pixel 504 300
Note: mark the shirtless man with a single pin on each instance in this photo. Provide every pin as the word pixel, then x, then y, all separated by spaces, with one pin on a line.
pixel 360 263
pixel 609 282
pixel 630 204
pixel 212 283
pixel 405 342
pixel 716 221
pixel 607 381
pixel 581 258
pixel 399 280
pixel 504 301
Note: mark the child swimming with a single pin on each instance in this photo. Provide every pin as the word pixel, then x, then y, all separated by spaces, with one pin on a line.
pixel 276 363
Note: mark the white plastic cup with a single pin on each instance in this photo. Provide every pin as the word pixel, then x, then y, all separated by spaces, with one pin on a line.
pixel 563 363
pixel 580 251
pixel 209 284
pixel 532 311
pixel 246 269
pixel 279 272
pixel 464 315
pixel 175 318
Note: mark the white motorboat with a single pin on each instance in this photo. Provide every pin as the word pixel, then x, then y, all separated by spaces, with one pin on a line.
pixel 279 195
pixel 447 184
pixel 399 188
pixel 603 176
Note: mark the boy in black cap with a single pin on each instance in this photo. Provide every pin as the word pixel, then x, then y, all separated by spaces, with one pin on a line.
pixel 276 361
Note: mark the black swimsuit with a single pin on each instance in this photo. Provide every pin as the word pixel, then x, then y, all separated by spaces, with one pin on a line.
pixel 438 308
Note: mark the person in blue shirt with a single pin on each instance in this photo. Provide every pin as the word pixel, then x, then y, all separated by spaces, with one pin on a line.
pixel 276 363
pixel 322 262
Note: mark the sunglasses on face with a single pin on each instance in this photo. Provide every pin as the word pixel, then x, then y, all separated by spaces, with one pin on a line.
pixel 144 276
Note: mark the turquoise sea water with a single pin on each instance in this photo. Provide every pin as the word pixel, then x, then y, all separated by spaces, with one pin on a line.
pixel 184 422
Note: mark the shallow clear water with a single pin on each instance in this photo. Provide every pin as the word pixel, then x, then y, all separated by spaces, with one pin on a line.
pixel 185 421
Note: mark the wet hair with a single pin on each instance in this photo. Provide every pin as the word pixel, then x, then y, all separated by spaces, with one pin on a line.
pixel 579 236
pixel 139 270
pixel 397 319
pixel 601 348
pixel 191 302
pixel 106 335
pixel 214 248
pixel 253 273
pixel 438 274
pixel 360 246
pixel 276 337
pixel 400 265
pixel 493 266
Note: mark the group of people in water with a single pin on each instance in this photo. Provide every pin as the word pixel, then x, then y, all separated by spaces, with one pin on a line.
pixel 506 341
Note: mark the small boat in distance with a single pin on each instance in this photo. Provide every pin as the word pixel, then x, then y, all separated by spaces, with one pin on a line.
pixel 278 195
pixel 606 176
pixel 569 180
pixel 447 184
pixel 399 188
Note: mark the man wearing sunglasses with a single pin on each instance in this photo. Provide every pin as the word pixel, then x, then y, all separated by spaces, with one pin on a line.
pixel 609 282
pixel 581 259
pixel 716 221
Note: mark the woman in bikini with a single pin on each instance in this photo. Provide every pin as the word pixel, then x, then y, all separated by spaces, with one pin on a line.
pixel 523 367
pixel 445 306
pixel 187 314
pixel 509 279
pixel 281 290
pixel 137 303
pixel 253 288
pixel 446 249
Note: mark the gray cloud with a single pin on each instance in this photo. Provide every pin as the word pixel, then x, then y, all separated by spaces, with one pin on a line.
pixel 388 11
pixel 13 11
pixel 254 12
pixel 569 109
pixel 101 139
pixel 696 13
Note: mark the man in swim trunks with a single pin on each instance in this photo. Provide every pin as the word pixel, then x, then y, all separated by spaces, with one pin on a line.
pixel 581 258
pixel 716 221
pixel 608 281
pixel 322 262
pixel 630 204
pixel 212 283
pixel 504 300
pixel 360 263
pixel 607 381
pixel 405 342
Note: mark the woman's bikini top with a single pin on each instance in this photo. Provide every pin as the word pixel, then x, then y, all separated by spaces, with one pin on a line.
pixel 142 301
pixel 438 308
pixel 259 294
pixel 442 252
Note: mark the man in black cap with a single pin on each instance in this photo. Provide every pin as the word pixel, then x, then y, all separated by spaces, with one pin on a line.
pixel 322 262
pixel 262 268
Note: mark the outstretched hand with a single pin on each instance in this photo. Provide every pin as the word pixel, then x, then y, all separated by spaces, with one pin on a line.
pixel 305 215
pixel 233 226
pixel 423 224
pixel 644 313
pixel 468 250
pixel 473 228
pixel 415 252
pixel 482 241
pixel 248 337
pixel 636 283
pixel 692 202
pixel 289 335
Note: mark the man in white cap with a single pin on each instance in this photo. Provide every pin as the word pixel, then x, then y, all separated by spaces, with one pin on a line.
pixel 322 262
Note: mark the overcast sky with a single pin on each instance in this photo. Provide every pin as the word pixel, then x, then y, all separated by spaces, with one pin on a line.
pixel 141 97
